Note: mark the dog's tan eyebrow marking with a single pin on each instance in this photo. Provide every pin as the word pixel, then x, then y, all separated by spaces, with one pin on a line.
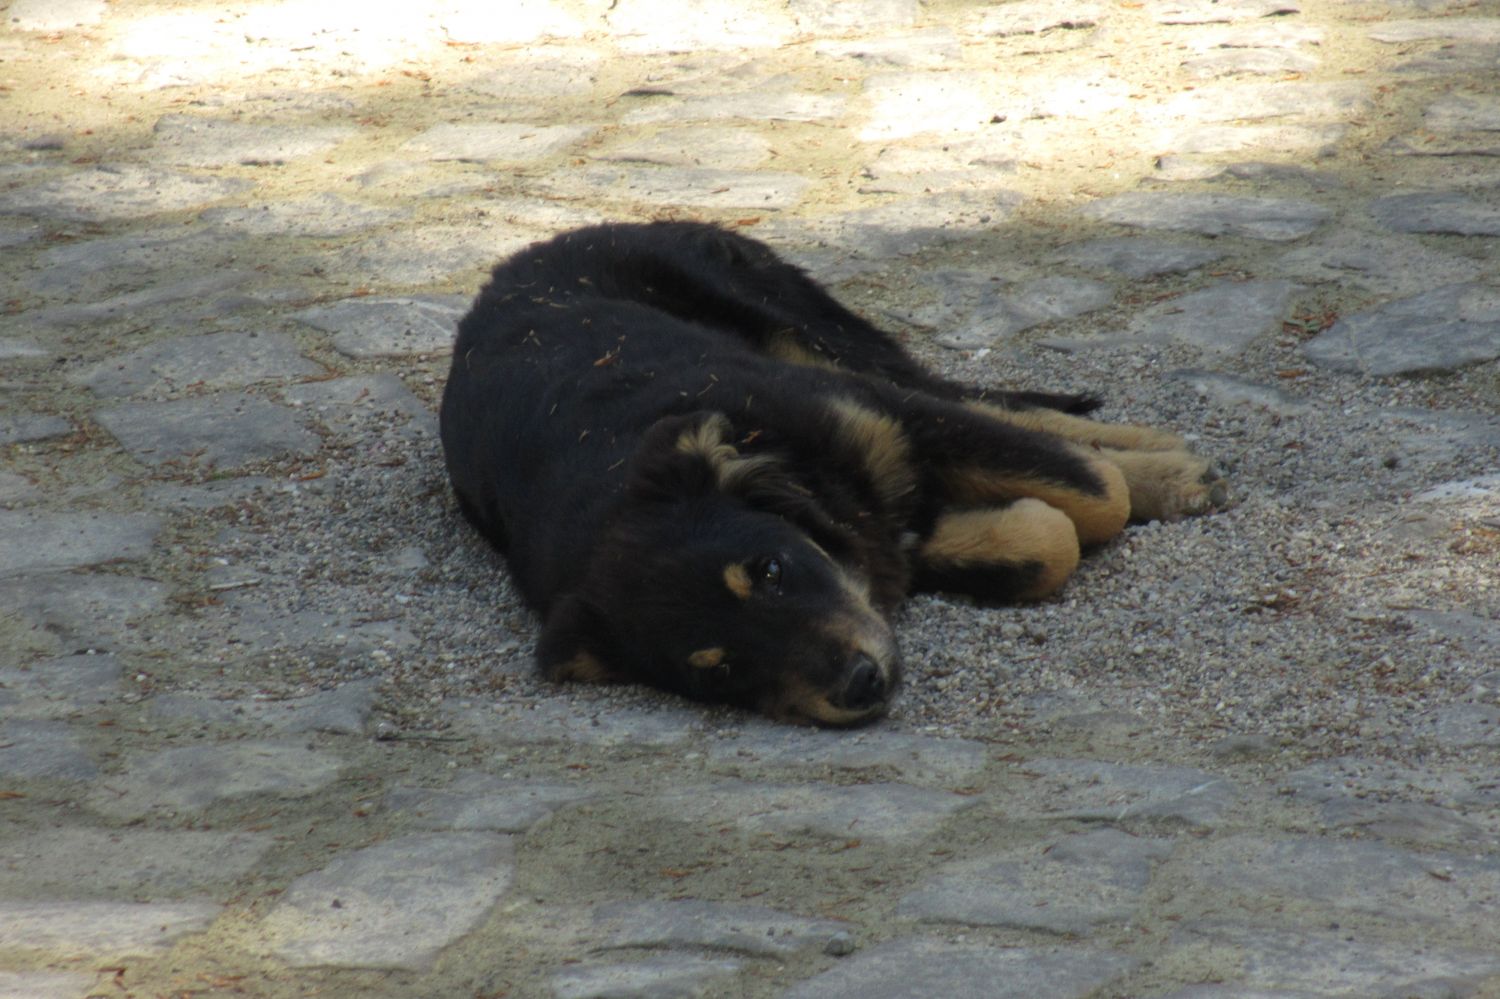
pixel 707 658
pixel 738 580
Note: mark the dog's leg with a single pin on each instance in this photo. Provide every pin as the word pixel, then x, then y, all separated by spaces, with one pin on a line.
pixel 1166 481
pixel 1023 551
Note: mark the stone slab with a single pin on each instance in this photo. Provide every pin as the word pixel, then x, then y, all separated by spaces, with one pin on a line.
pixel 718 147
pixel 638 26
pixel 186 302
pixel 58 687
pixel 189 779
pixel 1137 257
pixel 823 18
pixel 101 194
pixel 24 428
pixel 881 812
pixel 1217 11
pixel 1260 62
pixel 193 140
pixel 693 187
pixel 1345 964
pixel 1032 17
pixel 1274 219
pixel 1379 263
pixel 71 610
pixel 481 802
pixel 344 710
pixel 213 360
pixel 44 750
pixel 54 15
pixel 497 142
pixel 773 104
pixel 318 215
pixel 1067 885
pixel 395 904
pixel 1223 319
pixel 924 48
pixel 1473 30
pixel 909 756
pixel 45 984
pixel 131 864
pixel 364 404
pixel 1094 791
pixel 966 971
pixel 670 976
pixel 1351 877
pixel 1439 330
pixel 98 930
pixel 722 927
pixel 223 430
pixel 1247 101
pixel 1366 778
pixel 1448 213
pixel 599 725
pixel 35 540
pixel 389 327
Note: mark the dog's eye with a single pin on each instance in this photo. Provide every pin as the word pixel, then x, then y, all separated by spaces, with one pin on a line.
pixel 768 571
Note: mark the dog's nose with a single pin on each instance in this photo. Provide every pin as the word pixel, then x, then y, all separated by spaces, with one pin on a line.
pixel 866 685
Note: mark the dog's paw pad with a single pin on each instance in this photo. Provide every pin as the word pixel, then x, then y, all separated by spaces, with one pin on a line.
pixel 1170 485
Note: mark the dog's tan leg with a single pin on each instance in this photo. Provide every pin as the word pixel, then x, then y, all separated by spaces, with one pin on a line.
pixel 1169 485
pixel 1090 433
pixel 1023 551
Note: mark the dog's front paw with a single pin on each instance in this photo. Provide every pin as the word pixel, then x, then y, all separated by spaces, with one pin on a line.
pixel 1169 485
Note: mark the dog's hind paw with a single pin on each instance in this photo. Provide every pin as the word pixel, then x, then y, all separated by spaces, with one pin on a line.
pixel 1170 485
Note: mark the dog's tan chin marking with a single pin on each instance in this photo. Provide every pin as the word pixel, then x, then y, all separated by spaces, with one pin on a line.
pixel 584 667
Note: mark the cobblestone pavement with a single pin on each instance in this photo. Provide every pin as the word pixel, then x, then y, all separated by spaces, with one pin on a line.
pixel 266 722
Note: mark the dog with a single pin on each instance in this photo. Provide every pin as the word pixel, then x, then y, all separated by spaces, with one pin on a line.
pixel 708 476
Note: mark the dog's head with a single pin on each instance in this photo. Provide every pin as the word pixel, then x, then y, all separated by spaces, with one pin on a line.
pixel 723 580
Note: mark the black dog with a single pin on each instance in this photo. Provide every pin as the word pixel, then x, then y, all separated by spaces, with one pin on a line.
pixel 708 476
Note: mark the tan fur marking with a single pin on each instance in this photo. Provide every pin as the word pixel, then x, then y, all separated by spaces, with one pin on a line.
pixel 738 580
pixel 785 346
pixel 1096 518
pixel 583 668
pixel 1027 531
pixel 881 443
pixel 706 441
pixel 707 658
pixel 1166 485
pixel 798 702
pixel 1081 430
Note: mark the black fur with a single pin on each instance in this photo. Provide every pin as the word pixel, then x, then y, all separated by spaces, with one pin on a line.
pixel 707 475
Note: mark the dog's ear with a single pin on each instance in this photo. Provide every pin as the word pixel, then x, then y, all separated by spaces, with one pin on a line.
pixel 574 646
pixel 685 456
